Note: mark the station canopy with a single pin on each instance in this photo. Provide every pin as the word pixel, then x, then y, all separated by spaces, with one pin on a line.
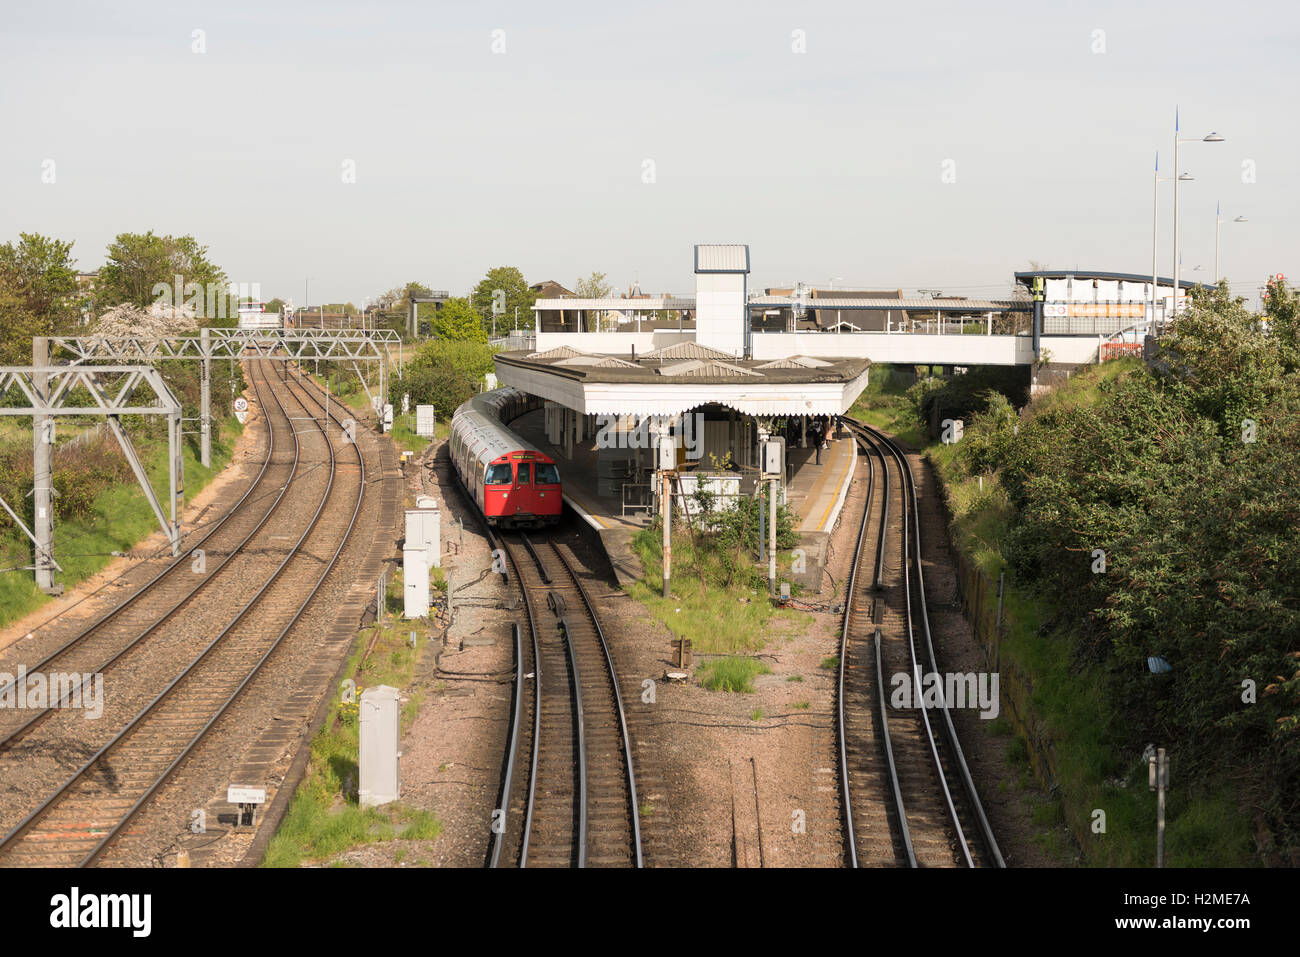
pixel 685 376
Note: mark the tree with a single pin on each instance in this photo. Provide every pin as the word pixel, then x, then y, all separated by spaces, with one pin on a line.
pixel 1282 309
pixel 504 287
pixel 444 373
pixel 38 281
pixel 458 321
pixel 137 262
pixel 594 287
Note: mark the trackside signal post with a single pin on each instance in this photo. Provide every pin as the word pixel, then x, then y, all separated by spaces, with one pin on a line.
pixel 667 472
pixel 773 470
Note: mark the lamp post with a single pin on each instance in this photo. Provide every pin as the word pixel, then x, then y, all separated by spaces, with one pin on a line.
pixel 1218 221
pixel 1155 228
pixel 1208 138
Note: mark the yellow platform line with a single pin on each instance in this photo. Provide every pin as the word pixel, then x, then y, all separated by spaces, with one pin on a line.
pixel 584 510
pixel 836 499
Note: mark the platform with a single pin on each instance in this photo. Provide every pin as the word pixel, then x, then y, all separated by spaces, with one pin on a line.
pixel 816 494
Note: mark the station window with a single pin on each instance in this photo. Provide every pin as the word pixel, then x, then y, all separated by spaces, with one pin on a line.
pixel 498 474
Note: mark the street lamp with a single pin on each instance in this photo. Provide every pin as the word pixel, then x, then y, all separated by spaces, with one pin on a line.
pixel 1155 228
pixel 1208 138
pixel 1217 223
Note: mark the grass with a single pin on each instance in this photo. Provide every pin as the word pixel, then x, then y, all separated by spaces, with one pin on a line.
pixel 733 674
pixel 1068 700
pixel 325 818
pixel 885 405
pixel 800 706
pixel 830 663
pixel 756 715
pixel 121 519
pixel 718 620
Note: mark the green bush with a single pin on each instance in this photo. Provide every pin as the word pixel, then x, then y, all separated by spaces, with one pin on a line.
pixel 1196 515
pixel 444 374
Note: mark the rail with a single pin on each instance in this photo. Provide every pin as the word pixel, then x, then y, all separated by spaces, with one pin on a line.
pixel 105 837
pixel 915 613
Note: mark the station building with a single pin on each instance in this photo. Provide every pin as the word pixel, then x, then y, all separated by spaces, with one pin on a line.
pixel 725 370
pixel 690 378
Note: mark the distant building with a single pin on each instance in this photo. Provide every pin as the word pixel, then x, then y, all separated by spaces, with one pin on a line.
pixel 1096 302
pixel 554 320
pixel 821 320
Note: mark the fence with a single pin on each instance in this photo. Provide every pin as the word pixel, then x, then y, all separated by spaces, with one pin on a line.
pixel 1121 350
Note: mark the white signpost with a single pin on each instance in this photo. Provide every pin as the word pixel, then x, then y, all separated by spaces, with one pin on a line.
pixel 247 800
pixel 424 420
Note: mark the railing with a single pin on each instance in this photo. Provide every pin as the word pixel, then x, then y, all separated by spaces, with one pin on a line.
pixel 641 498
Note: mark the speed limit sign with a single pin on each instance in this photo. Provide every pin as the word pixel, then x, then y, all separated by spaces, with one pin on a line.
pixel 241 404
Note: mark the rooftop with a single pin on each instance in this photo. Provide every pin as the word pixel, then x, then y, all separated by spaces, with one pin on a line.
pixel 721 258
pixel 1027 277
pixel 686 362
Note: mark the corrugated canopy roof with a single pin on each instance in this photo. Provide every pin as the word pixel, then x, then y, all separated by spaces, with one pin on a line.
pixel 614 305
pixel 687 350
pixel 722 258
pixel 943 305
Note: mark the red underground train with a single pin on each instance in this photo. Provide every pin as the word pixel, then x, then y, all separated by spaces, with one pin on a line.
pixel 512 482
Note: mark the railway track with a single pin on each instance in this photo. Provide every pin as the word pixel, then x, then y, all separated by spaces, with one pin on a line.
pixel 99 646
pixel 569 787
pixel 907 794
pixel 79 817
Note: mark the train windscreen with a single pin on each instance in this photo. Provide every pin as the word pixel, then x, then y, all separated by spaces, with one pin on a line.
pixel 547 474
pixel 498 474
pixel 525 474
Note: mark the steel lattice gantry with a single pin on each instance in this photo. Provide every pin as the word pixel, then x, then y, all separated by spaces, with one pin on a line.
pixel 65 378
pixel 295 345
pixel 351 345
pixel 45 391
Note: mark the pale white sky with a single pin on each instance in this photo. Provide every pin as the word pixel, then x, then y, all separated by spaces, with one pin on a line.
pixel 829 163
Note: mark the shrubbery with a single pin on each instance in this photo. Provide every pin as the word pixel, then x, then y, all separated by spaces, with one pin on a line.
pixel 725 538
pixel 960 396
pixel 444 373
pixel 81 472
pixel 1185 476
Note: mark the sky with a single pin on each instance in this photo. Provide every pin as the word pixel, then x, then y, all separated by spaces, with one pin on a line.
pixel 357 146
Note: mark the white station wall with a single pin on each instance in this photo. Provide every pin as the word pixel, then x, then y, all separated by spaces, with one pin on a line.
pixel 720 311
